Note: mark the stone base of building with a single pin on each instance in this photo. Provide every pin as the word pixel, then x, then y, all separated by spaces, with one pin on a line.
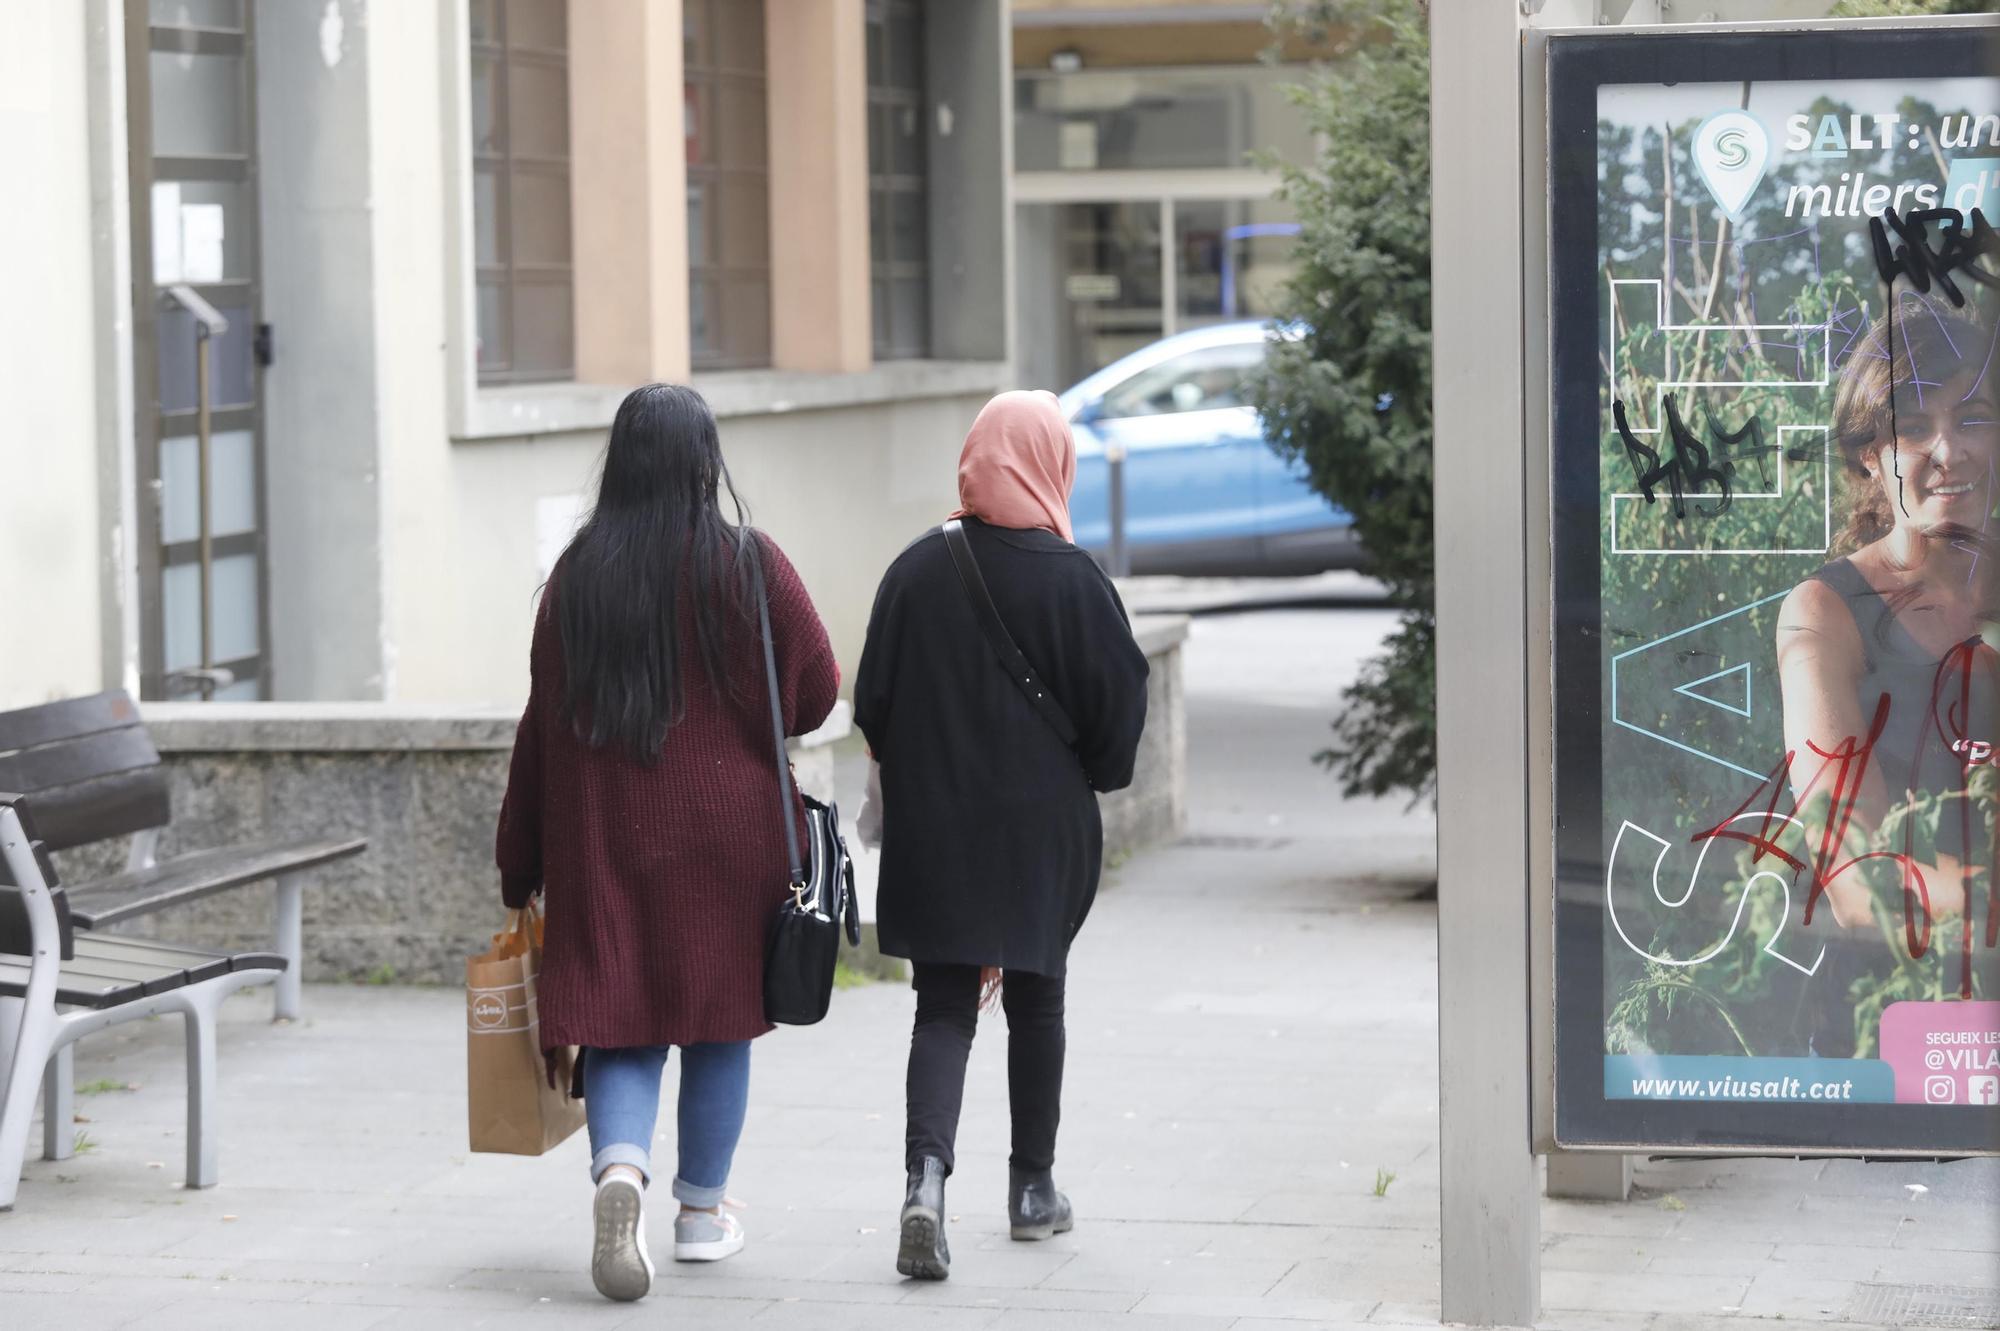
pixel 423 784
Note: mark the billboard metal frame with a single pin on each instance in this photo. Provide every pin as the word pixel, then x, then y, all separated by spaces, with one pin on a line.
pixel 1561 274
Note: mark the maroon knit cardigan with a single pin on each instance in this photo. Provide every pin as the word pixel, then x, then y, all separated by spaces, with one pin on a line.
pixel 660 881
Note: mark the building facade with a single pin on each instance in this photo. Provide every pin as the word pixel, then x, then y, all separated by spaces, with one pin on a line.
pixel 423 250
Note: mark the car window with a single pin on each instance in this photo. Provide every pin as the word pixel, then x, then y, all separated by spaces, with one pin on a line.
pixel 1203 380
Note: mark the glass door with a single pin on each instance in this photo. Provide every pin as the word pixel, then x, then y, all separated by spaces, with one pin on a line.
pixel 190 88
pixel 1090 287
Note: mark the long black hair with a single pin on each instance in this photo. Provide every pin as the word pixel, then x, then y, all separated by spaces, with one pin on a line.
pixel 656 534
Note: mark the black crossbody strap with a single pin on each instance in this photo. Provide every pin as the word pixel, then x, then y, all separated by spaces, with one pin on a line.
pixel 789 814
pixel 1002 642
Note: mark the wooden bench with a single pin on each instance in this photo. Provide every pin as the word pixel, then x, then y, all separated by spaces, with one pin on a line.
pixel 68 987
pixel 92 774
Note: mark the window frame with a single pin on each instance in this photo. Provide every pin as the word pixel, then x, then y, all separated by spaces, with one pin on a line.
pixel 887 269
pixel 507 273
pixel 704 78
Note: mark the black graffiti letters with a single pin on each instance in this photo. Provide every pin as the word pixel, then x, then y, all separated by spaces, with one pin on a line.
pixel 1689 467
pixel 1925 255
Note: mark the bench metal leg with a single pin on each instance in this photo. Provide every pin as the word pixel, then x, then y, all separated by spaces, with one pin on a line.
pixel 17 1100
pixel 289 945
pixel 59 1105
pixel 10 1026
pixel 201 1149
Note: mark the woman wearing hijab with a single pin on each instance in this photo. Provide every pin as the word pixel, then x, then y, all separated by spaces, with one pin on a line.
pixel 991 841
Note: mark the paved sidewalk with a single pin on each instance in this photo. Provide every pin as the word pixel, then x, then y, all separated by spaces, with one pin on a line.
pixel 1252 1038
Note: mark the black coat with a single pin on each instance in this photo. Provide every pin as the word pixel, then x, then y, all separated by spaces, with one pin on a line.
pixel 991 841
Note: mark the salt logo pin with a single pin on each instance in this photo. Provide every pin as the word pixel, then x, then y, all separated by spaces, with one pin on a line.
pixel 1731 151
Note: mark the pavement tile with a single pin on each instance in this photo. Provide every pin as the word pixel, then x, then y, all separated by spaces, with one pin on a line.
pixel 201 1313
pixel 1596 1252
pixel 1023 1319
pixel 1389 1313
pixel 1235 1276
pixel 807 1315
pixel 1406 1276
pixel 1686 1295
pixel 1812 1299
pixel 64 1311
pixel 1278 1307
pixel 951 1293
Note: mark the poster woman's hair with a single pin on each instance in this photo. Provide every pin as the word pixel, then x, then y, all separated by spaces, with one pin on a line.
pixel 1922 343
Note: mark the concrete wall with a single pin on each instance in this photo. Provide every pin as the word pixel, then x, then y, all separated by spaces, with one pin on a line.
pixel 425 575
pixel 423 784
pixel 50 582
pixel 842 490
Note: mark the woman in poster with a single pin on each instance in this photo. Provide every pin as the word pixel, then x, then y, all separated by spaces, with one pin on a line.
pixel 1884 654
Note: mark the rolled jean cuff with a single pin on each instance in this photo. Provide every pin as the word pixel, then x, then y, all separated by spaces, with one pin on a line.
pixel 622 1153
pixel 700 1198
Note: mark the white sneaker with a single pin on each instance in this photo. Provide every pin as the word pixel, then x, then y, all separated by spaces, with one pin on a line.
pixel 620 1266
pixel 701 1237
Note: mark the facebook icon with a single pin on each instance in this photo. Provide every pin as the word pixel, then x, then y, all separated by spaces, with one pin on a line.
pixel 1983 1090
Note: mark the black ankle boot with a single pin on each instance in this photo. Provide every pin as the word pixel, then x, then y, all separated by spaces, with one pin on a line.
pixel 1035 1210
pixel 924 1254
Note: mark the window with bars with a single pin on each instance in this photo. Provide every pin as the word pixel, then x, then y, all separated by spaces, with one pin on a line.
pixel 728 184
pixel 898 223
pixel 521 200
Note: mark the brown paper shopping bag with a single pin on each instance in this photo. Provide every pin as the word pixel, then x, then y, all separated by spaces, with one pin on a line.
pixel 512 1109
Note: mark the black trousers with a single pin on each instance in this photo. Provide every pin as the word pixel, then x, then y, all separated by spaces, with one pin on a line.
pixel 947 1015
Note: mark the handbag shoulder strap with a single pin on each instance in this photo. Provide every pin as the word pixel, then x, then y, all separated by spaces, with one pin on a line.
pixel 786 812
pixel 1011 660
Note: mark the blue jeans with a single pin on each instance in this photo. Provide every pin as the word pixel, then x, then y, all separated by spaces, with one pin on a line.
pixel 621 1101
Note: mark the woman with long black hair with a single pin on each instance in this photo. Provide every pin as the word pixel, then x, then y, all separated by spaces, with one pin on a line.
pixel 642 804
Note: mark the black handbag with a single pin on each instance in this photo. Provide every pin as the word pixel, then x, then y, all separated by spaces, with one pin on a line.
pixel 804 941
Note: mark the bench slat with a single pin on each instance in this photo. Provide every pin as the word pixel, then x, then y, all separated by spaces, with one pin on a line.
pixel 200 874
pixel 108 955
pixel 152 951
pixel 108 976
pixel 108 807
pixel 68 762
pixel 72 718
pixel 258 961
pixel 72 988
pixel 114 977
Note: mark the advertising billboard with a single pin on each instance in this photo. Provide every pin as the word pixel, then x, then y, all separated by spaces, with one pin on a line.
pixel 1776 526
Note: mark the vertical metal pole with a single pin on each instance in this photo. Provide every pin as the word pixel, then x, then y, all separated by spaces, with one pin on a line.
pixel 289 940
pixel 1491 1219
pixel 201 430
pixel 1114 462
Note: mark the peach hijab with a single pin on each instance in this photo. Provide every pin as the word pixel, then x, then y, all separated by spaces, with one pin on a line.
pixel 1019 464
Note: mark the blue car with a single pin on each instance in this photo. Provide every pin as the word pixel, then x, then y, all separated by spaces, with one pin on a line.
pixel 1204 494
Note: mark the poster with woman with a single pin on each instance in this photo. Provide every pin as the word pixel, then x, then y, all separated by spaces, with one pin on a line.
pixel 1776 412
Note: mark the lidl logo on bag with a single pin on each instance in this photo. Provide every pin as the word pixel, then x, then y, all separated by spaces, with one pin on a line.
pixel 489 1010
